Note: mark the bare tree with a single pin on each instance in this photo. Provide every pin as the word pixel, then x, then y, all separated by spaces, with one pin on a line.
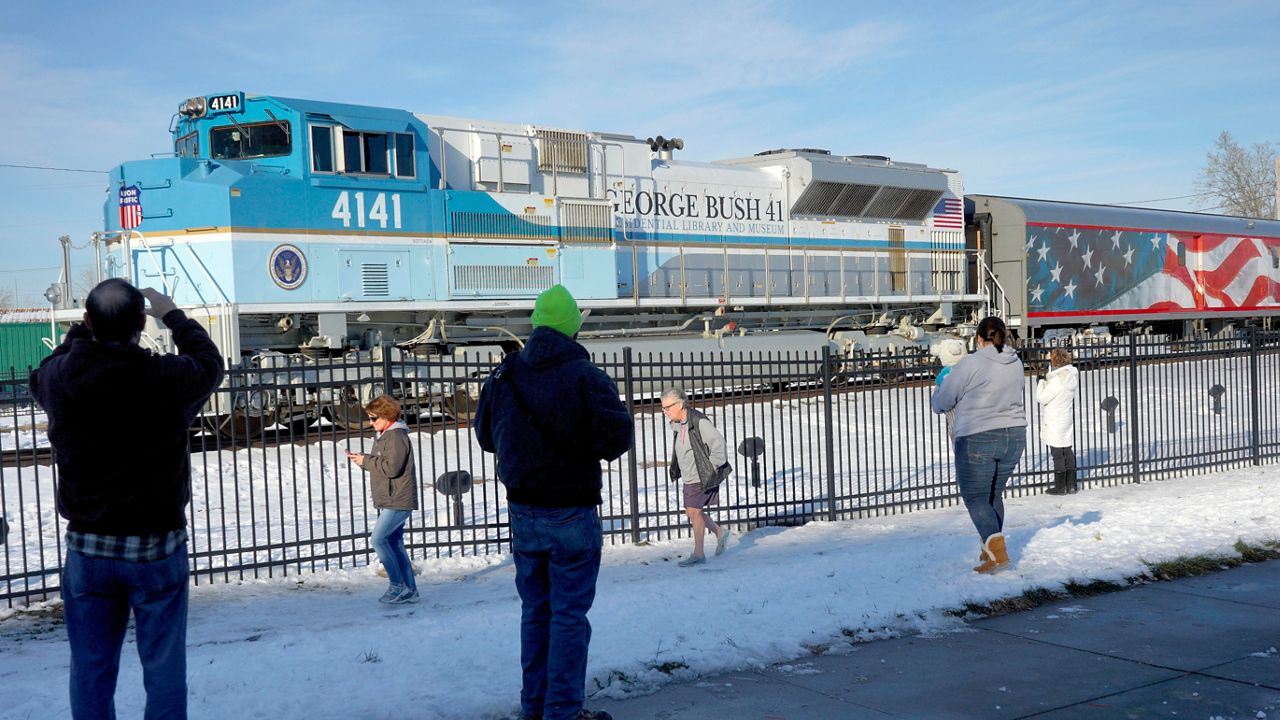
pixel 1239 180
pixel 84 283
pixel 6 298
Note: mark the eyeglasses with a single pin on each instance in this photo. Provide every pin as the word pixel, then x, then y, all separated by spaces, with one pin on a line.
pixel 373 418
pixel 668 407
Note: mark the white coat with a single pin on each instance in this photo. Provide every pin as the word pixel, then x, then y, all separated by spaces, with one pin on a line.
pixel 1056 394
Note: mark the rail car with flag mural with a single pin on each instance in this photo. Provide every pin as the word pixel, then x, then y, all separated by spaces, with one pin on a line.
pixel 1075 265
pixel 303 226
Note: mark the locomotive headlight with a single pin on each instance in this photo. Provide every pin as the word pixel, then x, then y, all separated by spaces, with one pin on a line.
pixel 193 108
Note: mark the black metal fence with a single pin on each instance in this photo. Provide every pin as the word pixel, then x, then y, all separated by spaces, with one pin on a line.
pixel 817 436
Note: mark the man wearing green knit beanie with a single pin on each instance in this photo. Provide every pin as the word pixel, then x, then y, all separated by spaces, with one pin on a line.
pixel 551 417
pixel 556 309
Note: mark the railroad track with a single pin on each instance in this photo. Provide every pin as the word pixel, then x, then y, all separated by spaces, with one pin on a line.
pixel 865 379
pixel 203 440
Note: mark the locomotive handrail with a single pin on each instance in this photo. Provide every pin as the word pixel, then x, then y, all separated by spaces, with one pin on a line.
pixel 151 255
pixel 986 275
pixel 224 308
pixel 555 175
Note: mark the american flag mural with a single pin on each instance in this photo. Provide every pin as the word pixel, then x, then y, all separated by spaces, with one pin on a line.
pixel 1081 270
pixel 130 207
pixel 949 213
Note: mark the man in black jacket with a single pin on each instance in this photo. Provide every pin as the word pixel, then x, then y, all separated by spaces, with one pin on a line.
pixel 552 416
pixel 118 420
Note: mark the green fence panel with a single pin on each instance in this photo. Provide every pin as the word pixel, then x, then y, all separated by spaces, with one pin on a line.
pixel 22 345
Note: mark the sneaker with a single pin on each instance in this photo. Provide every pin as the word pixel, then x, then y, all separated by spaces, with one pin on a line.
pixel 1056 491
pixel 390 595
pixel 690 562
pixel 586 714
pixel 405 596
pixel 723 540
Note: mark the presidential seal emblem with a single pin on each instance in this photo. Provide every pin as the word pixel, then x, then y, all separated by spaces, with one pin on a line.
pixel 288 267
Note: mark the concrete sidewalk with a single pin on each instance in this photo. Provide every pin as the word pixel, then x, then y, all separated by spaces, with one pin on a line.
pixel 1202 648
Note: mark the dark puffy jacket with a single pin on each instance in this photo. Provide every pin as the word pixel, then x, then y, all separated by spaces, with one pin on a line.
pixel 551 416
pixel 118 422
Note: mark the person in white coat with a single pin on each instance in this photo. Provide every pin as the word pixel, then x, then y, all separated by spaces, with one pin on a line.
pixel 1056 394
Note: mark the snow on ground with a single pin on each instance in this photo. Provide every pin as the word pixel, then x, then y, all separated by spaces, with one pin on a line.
pixel 320 646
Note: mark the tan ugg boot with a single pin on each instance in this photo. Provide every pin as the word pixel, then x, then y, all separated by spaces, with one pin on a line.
pixel 997 557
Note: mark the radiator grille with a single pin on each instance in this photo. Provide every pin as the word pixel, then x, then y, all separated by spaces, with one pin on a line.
pixel 918 205
pixel 503 225
pixel 853 200
pixel 375 280
pixel 586 222
pixel 561 152
pixel 488 278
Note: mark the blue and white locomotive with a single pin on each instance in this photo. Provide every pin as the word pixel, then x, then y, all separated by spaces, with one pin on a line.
pixel 295 225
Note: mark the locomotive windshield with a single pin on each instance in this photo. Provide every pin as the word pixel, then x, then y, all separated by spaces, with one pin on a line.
pixel 187 146
pixel 240 142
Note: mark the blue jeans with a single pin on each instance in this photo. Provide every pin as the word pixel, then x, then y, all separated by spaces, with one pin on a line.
pixel 557 558
pixel 984 462
pixel 388 541
pixel 97 595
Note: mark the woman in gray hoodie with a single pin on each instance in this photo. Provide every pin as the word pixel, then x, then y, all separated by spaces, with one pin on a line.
pixel 986 391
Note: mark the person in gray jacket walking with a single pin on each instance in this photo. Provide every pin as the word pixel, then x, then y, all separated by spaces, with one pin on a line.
pixel 699 456
pixel 394 486
pixel 986 391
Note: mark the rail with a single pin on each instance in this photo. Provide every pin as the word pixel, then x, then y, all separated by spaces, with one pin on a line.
pixel 805 274
pixel 995 292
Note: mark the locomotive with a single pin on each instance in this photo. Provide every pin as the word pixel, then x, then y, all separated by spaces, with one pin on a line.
pixel 297 226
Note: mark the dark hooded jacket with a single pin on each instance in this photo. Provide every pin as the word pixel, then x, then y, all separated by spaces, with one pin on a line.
pixel 118 422
pixel 552 416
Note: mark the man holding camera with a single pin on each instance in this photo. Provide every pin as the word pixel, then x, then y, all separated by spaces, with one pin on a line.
pixel 118 421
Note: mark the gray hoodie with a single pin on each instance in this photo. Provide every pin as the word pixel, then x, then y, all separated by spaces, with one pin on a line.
pixel 986 391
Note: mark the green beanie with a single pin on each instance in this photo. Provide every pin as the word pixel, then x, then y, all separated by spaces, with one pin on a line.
pixel 557 310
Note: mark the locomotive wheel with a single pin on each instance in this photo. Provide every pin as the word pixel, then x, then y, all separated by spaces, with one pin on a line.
pixel 298 424
pixel 460 406
pixel 240 425
pixel 346 411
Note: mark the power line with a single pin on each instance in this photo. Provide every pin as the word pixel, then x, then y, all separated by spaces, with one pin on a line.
pixel 1262 183
pixel 1143 202
pixel 57 169
pixel 1227 204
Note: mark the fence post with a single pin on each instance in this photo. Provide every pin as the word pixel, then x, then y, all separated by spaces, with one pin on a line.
pixel 831 440
pixel 386 368
pixel 634 472
pixel 1254 390
pixel 1133 404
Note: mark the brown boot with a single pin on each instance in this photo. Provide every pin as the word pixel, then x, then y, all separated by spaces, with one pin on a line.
pixel 997 557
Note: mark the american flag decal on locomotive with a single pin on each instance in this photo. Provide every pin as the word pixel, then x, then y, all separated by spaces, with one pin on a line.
pixel 949 213
pixel 1073 270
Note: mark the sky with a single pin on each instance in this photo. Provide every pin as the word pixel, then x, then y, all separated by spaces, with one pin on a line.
pixel 1115 102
